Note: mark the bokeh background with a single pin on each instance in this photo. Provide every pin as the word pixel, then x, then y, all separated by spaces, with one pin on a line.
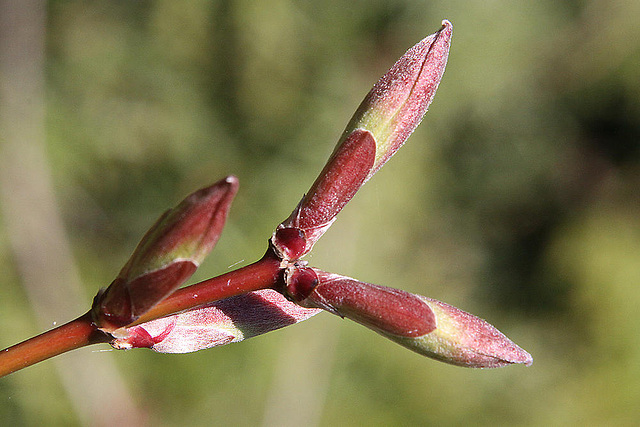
pixel 517 200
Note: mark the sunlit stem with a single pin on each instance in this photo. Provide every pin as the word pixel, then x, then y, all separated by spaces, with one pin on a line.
pixel 70 336
pixel 262 274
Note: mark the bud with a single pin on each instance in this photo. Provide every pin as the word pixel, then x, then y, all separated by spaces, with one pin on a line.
pixel 463 339
pixel 222 322
pixel 382 123
pixel 167 255
pixel 395 106
pixel 424 325
pixel 341 178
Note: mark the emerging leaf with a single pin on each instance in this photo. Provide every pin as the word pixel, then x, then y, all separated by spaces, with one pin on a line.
pixel 222 322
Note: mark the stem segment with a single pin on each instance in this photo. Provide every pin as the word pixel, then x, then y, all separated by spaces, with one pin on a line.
pixel 70 336
pixel 262 274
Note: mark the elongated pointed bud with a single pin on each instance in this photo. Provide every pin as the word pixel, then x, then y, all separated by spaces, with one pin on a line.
pixel 166 256
pixel 342 176
pixel 382 123
pixel 424 325
pixel 222 322
pixel 399 100
pixel 464 339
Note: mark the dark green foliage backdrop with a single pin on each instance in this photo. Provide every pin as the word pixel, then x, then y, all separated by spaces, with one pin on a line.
pixel 517 199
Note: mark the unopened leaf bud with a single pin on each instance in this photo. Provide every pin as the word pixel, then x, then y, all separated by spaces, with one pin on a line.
pixel 166 256
pixel 382 123
pixel 424 325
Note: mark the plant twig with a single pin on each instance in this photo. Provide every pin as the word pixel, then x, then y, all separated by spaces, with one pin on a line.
pixel 264 273
pixel 70 336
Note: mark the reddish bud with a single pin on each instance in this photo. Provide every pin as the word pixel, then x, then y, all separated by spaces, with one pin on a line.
pixel 222 322
pixel 395 106
pixel 166 256
pixel 342 176
pixel 383 122
pixel 465 340
pixel 290 242
pixel 300 282
pixel 424 325
pixel 385 310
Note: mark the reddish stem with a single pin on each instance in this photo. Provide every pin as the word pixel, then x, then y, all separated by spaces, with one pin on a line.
pixel 264 273
pixel 70 336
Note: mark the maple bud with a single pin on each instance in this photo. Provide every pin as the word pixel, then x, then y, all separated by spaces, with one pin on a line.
pixel 463 339
pixel 395 106
pixel 222 322
pixel 382 123
pixel 424 325
pixel 167 255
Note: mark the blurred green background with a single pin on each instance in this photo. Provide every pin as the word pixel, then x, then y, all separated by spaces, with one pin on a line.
pixel 517 200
